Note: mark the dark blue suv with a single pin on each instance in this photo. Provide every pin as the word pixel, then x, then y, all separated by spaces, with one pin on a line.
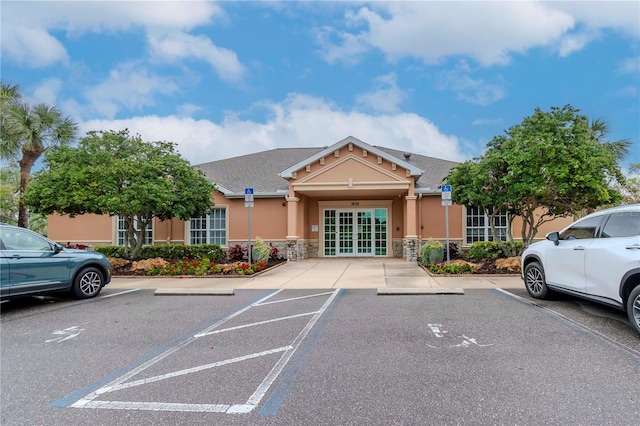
pixel 31 264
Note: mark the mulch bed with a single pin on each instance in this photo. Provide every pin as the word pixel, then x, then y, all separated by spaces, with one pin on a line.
pixel 126 271
pixel 487 267
pixel 483 268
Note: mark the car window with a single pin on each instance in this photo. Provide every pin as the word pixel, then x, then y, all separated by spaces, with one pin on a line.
pixel 583 229
pixel 623 224
pixel 19 240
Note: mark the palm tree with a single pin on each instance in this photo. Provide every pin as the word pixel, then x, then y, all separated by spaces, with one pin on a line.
pixel 27 133
pixel 599 130
pixel 10 96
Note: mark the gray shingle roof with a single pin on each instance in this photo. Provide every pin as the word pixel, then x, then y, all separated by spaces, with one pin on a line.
pixel 435 169
pixel 260 170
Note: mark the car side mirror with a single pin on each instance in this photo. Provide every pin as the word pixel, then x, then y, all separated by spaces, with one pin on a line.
pixel 57 248
pixel 554 236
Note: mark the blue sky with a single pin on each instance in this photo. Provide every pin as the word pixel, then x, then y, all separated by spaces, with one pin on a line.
pixel 223 79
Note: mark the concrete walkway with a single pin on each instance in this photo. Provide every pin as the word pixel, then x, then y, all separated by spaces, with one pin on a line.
pixel 326 274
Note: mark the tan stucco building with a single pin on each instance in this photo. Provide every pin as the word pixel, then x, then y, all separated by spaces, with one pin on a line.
pixel 349 199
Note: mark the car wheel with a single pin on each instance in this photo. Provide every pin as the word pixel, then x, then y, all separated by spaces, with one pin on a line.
pixel 534 281
pixel 633 308
pixel 87 283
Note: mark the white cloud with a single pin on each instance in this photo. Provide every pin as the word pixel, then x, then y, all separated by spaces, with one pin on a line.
pixel 386 96
pixel 129 86
pixel 621 16
pixel 630 66
pixel 47 91
pixel 486 122
pixel 299 120
pixel 630 91
pixel 188 109
pixel 349 51
pixel 575 42
pixel 489 32
pixel 468 89
pixel 27 26
pixel 178 45
pixel 33 47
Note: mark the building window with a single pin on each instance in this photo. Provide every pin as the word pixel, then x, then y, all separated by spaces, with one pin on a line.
pixel 122 232
pixel 479 229
pixel 210 229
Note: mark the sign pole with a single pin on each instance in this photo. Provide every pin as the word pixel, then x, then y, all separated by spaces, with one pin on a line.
pixel 248 203
pixel 446 202
pixel 446 224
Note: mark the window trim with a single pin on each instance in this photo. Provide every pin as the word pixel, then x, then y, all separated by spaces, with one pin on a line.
pixel 486 228
pixel 117 230
pixel 224 208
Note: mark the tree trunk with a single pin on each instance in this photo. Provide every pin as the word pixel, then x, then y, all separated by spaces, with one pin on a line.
pixel 26 164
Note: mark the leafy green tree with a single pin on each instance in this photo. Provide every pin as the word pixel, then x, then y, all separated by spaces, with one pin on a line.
pixel 553 164
pixel 111 172
pixel 631 188
pixel 27 132
pixel 9 181
pixel 9 195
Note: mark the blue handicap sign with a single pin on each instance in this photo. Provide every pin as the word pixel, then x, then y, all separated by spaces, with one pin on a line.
pixel 446 188
pixel 248 191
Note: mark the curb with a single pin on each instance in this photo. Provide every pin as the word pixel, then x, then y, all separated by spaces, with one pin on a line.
pixel 194 292
pixel 418 291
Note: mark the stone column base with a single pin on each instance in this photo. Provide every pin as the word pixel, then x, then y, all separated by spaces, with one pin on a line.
pixel 410 249
pixel 297 249
pixel 292 250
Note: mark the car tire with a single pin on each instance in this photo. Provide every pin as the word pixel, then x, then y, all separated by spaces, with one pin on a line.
pixel 535 281
pixel 87 283
pixel 633 308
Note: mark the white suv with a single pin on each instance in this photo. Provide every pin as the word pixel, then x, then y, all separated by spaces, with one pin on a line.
pixel 596 258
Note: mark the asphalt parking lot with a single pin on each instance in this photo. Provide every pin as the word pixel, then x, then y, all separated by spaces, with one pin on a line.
pixel 317 356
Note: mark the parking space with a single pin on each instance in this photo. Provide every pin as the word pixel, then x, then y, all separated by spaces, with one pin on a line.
pixel 301 356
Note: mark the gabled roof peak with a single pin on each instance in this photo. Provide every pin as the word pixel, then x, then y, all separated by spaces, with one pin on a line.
pixel 288 173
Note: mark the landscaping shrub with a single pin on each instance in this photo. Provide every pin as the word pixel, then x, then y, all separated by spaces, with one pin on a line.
pixel 454 250
pixel 274 252
pixel 489 250
pixel 236 253
pixel 169 251
pixel 206 267
pixel 431 252
pixel 260 251
pixel 443 268
pixel 111 251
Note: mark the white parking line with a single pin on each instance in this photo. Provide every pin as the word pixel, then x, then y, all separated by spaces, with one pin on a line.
pixel 189 370
pixel 254 324
pixel 89 401
pixel 293 298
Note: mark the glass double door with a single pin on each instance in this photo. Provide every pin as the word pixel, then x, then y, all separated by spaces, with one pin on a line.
pixel 355 232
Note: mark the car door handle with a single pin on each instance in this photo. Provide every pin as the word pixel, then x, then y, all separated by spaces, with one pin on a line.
pixel 633 247
pixel 15 256
pixel 579 248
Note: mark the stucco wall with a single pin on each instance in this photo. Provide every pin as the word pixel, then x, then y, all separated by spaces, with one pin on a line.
pixel 431 219
pixel 88 229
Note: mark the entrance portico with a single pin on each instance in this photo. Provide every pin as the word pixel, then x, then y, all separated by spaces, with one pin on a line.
pixel 352 200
